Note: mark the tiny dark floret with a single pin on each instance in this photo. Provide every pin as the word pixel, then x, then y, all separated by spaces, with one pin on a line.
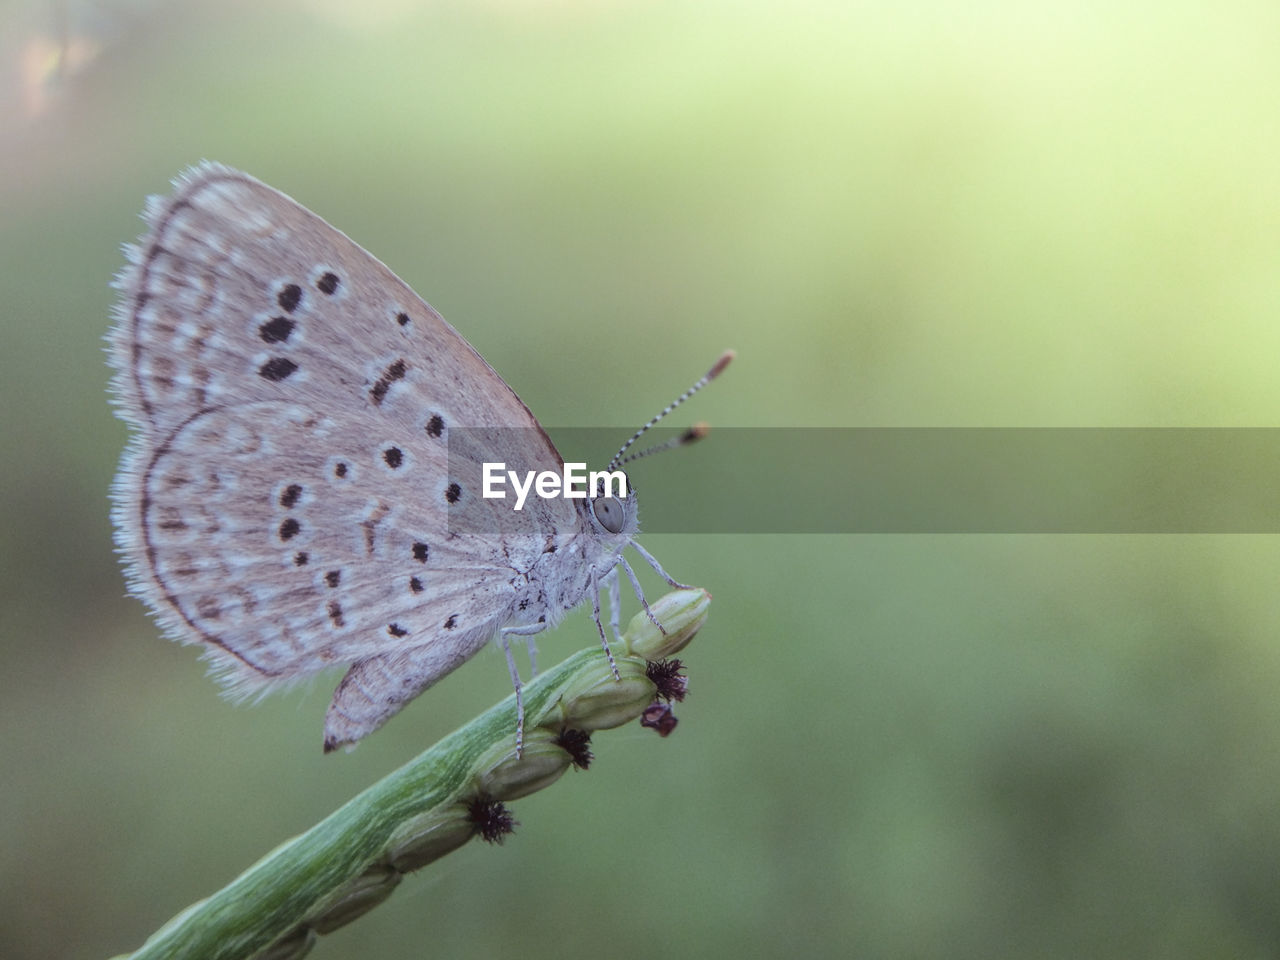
pixel 491 819
pixel 576 743
pixel 658 716
pixel 666 676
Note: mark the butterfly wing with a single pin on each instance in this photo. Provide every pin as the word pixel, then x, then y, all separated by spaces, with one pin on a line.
pixel 286 500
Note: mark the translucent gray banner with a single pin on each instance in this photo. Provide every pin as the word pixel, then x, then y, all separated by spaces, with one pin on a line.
pixel 924 480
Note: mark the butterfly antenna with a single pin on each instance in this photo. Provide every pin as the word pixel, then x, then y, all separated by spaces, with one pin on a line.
pixel 690 435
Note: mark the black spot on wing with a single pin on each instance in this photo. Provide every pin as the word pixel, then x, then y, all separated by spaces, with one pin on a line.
pixel 289 297
pixel 277 369
pixel 276 330
pixel 394 372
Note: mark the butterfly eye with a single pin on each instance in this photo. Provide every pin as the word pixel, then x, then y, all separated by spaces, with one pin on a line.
pixel 608 512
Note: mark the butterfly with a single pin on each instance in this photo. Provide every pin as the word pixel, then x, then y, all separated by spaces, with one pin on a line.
pixel 296 492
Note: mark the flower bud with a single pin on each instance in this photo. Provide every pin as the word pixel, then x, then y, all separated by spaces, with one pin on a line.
pixel 360 896
pixel 598 702
pixel 429 837
pixel 504 776
pixel 681 613
pixel 294 945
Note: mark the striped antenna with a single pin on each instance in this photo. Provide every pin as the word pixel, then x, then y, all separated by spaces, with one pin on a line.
pixel 692 435
pixel 689 436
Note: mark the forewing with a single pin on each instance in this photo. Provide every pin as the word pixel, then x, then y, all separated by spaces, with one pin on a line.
pixel 287 499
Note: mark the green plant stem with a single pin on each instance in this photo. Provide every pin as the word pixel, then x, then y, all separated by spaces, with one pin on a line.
pixel 348 862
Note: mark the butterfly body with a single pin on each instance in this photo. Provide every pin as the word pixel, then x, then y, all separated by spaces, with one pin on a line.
pixel 290 499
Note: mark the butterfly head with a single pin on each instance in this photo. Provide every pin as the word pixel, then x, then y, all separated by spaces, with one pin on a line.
pixel 613 516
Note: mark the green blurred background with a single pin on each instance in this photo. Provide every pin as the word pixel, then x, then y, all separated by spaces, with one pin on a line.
pixel 939 214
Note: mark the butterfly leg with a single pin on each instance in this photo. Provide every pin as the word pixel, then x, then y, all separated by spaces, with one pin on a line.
pixel 657 567
pixel 635 585
pixel 604 640
pixel 529 632
pixel 515 676
pixel 615 602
